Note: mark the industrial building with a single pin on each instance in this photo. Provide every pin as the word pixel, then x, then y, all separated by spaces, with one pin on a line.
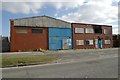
pixel 44 32
pixel 116 40
pixel 91 36
pixel 40 32
pixel 0 43
pixel 4 44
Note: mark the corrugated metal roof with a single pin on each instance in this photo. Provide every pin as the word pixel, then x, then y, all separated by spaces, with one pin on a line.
pixel 41 21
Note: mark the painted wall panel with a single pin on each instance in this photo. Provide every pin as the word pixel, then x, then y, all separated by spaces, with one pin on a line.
pixel 57 36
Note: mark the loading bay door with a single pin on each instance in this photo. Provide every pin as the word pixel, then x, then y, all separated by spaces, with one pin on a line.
pixel 58 38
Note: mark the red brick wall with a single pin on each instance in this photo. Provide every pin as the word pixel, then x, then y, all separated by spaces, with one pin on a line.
pixel 108 36
pixel 84 36
pixel 27 41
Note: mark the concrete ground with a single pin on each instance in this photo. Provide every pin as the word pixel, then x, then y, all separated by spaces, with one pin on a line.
pixel 68 55
pixel 85 63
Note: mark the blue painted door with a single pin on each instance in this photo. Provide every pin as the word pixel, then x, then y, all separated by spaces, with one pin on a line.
pixel 56 37
pixel 99 43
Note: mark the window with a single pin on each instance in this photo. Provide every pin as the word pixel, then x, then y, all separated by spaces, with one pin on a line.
pixel 89 30
pixel 79 30
pixel 106 31
pixel 22 30
pixel 89 42
pixel 97 29
pixel 79 42
pixel 37 30
pixel 107 41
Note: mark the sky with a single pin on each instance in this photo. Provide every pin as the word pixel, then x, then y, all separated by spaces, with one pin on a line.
pixel 79 11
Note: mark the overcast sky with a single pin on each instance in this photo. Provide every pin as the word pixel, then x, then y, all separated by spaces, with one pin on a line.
pixel 84 11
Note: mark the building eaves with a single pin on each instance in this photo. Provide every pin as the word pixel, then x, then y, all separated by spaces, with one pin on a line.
pixel 92 24
pixel 38 17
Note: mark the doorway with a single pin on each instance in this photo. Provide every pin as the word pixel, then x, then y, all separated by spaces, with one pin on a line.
pixel 98 43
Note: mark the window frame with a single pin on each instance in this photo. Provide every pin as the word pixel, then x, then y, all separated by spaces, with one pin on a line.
pixel 76 30
pixel 108 43
pixel 21 30
pixel 107 30
pixel 38 32
pixel 79 41
pixel 89 41
pixel 89 32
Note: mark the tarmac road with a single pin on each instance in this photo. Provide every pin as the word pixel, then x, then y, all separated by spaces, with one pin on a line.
pixel 101 68
pixel 101 63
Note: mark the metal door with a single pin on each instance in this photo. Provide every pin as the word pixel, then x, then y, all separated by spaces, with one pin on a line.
pixel 99 43
pixel 57 37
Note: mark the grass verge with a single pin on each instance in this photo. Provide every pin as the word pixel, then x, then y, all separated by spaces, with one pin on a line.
pixel 10 62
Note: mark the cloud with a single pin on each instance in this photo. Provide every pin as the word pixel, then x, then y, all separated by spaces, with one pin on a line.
pixel 70 4
pixel 26 7
pixel 115 30
pixel 88 11
pixel 41 0
pixel 21 7
pixel 94 11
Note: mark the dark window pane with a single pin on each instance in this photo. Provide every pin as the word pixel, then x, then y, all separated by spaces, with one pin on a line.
pixel 97 29
pixel 37 31
pixel 87 42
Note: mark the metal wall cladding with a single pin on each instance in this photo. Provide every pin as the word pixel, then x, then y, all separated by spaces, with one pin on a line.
pixel 41 21
pixel 56 37
pixel 5 44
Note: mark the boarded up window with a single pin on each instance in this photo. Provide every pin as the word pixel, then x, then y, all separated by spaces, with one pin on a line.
pixel 107 31
pixel 79 42
pixel 89 42
pixel 37 30
pixel 79 30
pixel 22 30
pixel 107 41
pixel 89 30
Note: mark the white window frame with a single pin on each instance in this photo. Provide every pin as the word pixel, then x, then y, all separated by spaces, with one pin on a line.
pixel 89 30
pixel 106 30
pixel 91 42
pixel 107 41
pixel 79 42
pixel 79 30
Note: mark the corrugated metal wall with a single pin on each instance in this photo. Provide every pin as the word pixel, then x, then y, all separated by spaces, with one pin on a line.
pixel 5 44
pixel 57 36
pixel 42 21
